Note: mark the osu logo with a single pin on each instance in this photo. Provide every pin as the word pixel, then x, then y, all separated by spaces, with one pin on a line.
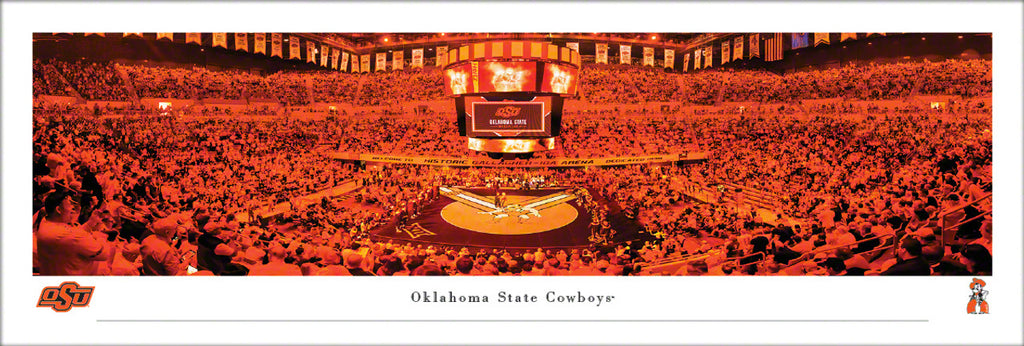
pixel 507 112
pixel 62 298
pixel 978 303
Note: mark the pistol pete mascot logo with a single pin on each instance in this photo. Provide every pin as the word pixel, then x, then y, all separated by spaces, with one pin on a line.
pixel 62 298
pixel 977 304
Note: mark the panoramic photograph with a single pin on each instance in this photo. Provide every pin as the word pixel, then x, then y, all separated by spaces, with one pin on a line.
pixel 511 154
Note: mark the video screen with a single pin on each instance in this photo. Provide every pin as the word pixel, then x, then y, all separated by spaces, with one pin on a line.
pixel 508 118
pixel 560 79
pixel 458 79
pixel 507 76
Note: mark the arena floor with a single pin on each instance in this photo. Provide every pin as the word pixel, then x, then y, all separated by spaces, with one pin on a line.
pixel 558 222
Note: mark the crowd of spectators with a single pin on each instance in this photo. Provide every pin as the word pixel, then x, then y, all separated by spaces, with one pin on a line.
pixel 388 87
pixel 599 83
pixel 159 195
pixel 626 84
pixel 47 81
pixel 94 80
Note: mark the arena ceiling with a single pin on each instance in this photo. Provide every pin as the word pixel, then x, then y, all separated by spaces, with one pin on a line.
pixel 370 40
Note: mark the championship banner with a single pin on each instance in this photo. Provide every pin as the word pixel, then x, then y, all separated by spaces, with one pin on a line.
pixel 310 52
pixel 799 40
pixel 382 60
pixel 696 58
pixel 261 43
pixel 241 41
pixel 486 162
pixel 294 49
pixel 821 38
pixel 648 56
pixel 167 35
pixel 324 52
pixel 670 58
pixel 708 54
pixel 335 55
pixel 686 62
pixel 737 48
pixel 625 54
pixel 573 45
pixel 276 46
pixel 417 57
pixel 601 56
pixel 442 56
pixel 398 60
pixel 365 62
pixel 726 48
pixel 755 45
pixel 220 39
pixel 847 36
pixel 344 61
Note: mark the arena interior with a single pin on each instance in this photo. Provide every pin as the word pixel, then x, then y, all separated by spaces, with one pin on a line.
pixel 495 154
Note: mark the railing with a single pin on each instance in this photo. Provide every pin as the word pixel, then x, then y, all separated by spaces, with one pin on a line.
pixel 949 231
pixel 883 246
pixel 758 197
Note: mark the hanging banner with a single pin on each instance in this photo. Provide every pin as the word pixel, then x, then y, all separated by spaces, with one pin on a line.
pixel 697 54
pixel 241 41
pixel 708 54
pixel 344 61
pixel 310 52
pixel 220 39
pixel 670 58
pixel 648 56
pixel 755 45
pixel 276 46
pixel 573 45
pixel 355 64
pixel 773 48
pixel 417 58
pixel 602 53
pixel 847 36
pixel 821 38
pixel 398 60
pixel 335 56
pixel 686 62
pixel 365 62
pixel 163 35
pixel 625 54
pixel 442 56
pixel 798 40
pixel 726 48
pixel 324 53
pixel 260 43
pixel 294 48
pixel 737 48
pixel 382 60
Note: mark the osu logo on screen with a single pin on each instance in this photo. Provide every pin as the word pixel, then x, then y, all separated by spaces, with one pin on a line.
pixel 62 298
pixel 507 112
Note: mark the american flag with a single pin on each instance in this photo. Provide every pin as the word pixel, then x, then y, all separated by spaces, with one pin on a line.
pixel 773 48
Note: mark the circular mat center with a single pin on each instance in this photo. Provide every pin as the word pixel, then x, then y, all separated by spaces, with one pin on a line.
pixel 514 223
